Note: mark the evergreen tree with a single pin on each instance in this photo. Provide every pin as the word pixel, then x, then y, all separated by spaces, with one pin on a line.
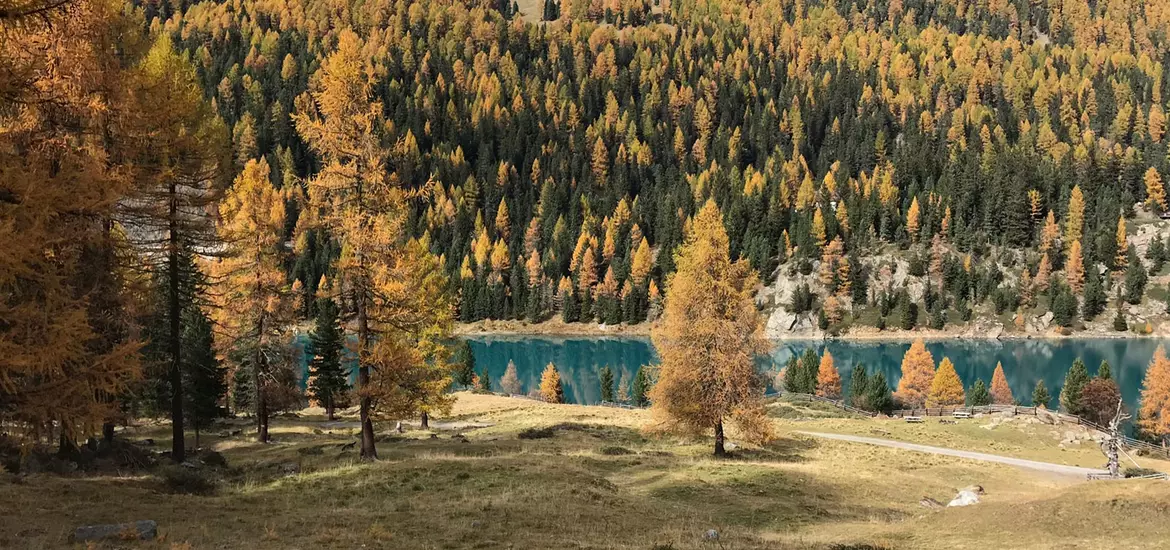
pixel 206 377
pixel 1135 279
pixel 979 395
pixel 605 377
pixel 1040 397
pixel 640 388
pixel 1095 298
pixel 485 382
pixel 464 360
pixel 1105 372
pixel 878 395
pixel 1074 384
pixel 328 380
pixel 858 387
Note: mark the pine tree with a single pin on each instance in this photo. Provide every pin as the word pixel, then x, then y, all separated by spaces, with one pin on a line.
pixel 858 387
pixel 328 381
pixel 710 299
pixel 1001 392
pixel 1074 384
pixel 510 383
pixel 605 377
pixel 828 379
pixel 464 360
pixel 1040 397
pixel 551 390
pixel 205 376
pixel 946 390
pixel 979 396
pixel 918 374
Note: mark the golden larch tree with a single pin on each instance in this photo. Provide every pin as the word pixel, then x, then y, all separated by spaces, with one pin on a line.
pixel 396 287
pixel 551 389
pixel 1122 258
pixel 912 219
pixel 1001 393
pixel 708 339
pixel 946 390
pixel 1154 414
pixel 828 379
pixel 1155 192
pixel 60 366
pixel 255 301
pixel 917 375
pixel 1075 268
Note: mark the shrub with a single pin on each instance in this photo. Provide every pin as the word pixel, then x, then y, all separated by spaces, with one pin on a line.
pixel 1139 472
pixel 616 451
pixel 536 433
pixel 190 481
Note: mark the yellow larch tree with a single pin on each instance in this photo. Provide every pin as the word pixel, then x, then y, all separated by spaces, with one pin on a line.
pixel 828 379
pixel 1155 193
pixel 1122 258
pixel 708 339
pixel 1001 393
pixel 818 228
pixel 396 287
pixel 917 375
pixel 912 220
pixel 255 301
pixel 1049 233
pixel 1043 275
pixel 551 389
pixel 641 264
pixel 1075 268
pixel 1154 413
pixel 946 390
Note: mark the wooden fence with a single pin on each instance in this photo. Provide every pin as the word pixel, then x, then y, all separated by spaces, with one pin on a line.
pixel 839 403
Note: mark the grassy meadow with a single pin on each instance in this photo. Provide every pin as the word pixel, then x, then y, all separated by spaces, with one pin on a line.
pixel 513 473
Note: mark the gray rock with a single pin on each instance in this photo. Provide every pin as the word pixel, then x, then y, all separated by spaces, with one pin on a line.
pixel 138 530
pixel 711 534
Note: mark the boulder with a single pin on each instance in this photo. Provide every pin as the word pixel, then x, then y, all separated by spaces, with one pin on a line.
pixel 138 530
pixel 711 535
pixel 964 498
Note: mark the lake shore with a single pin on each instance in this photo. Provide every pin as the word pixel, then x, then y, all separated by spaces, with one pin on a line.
pixel 556 327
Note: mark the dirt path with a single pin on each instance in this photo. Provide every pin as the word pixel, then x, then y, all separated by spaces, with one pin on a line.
pixel 1018 462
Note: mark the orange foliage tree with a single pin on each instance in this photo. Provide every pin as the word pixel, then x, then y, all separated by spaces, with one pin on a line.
pixel 1001 393
pixel 1154 414
pixel 828 379
pixel 551 389
pixel 917 375
pixel 708 339
pixel 946 390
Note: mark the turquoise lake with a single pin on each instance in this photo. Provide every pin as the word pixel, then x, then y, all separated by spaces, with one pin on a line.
pixel 1024 361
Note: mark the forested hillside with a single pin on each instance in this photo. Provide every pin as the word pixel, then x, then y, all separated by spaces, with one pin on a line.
pixel 561 159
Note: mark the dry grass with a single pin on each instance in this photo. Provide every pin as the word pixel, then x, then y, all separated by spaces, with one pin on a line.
pixel 573 490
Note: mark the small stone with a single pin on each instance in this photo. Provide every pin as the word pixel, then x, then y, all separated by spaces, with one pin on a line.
pixel 140 530
pixel 476 524
pixel 711 534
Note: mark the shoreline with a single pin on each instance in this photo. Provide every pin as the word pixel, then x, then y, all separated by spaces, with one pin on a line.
pixel 559 329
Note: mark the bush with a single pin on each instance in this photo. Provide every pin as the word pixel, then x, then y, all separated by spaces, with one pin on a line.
pixel 616 451
pixel 536 433
pixel 189 481
pixel 1140 472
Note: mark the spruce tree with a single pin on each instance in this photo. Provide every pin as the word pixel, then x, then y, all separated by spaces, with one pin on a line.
pixel 1095 299
pixel 205 377
pixel 640 388
pixel 485 382
pixel 1074 384
pixel 605 376
pixel 878 395
pixel 979 395
pixel 328 380
pixel 464 360
pixel 1040 397
pixel 858 386
pixel 1105 372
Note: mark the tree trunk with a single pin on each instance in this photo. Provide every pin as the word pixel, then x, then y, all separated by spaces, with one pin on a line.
pixel 174 309
pixel 329 409
pixel 425 422
pixel 258 382
pixel 108 433
pixel 719 450
pixel 369 451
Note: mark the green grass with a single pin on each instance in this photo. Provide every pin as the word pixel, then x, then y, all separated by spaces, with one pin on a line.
pixel 598 481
